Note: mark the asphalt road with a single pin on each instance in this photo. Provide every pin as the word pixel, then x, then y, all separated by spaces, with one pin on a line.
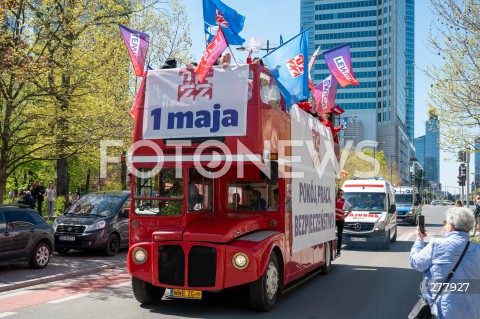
pixel 364 283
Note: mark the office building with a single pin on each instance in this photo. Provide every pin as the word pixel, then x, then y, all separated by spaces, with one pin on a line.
pixel 419 144
pixel 381 33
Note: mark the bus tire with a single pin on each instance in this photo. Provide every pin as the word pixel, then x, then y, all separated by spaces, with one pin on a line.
pixel 264 291
pixel 327 266
pixel 386 244
pixel 146 293
pixel 394 238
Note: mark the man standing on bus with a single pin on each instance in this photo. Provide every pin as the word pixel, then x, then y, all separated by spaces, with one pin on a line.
pixel 341 205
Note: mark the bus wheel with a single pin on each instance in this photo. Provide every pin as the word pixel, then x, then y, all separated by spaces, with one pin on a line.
pixel 145 292
pixel 386 244
pixel 328 259
pixel 264 291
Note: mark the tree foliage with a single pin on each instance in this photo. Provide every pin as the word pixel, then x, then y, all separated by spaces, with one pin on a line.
pixel 455 92
pixel 65 81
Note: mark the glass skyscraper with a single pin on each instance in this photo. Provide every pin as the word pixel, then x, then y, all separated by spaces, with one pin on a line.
pixel 419 143
pixel 381 33
pixel 432 149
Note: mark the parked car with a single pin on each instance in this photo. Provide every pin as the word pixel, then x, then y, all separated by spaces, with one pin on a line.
pixel 436 202
pixel 24 236
pixel 448 202
pixel 97 221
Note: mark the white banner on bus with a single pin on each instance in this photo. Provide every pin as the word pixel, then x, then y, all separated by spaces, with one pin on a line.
pixel 177 106
pixel 313 195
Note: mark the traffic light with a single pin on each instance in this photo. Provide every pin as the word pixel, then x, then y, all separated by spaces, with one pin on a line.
pixel 460 180
pixel 463 170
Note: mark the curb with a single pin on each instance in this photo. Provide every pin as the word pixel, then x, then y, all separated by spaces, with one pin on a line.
pixel 62 276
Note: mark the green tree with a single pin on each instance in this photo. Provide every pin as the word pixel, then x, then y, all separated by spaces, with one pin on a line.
pixel 455 92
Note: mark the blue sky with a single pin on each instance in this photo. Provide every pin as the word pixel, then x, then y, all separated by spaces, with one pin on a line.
pixel 270 18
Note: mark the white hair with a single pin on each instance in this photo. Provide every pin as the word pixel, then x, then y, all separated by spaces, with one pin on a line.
pixel 461 218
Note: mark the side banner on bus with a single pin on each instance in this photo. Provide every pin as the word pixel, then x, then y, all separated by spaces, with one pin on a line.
pixel 313 195
pixel 177 106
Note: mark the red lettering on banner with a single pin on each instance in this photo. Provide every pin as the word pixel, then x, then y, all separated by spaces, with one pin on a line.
pixel 296 65
pixel 191 89
pixel 220 20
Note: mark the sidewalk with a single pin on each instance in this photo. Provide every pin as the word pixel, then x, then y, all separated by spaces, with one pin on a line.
pixel 75 264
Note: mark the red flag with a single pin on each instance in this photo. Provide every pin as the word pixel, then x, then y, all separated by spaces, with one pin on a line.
pixel 137 46
pixel 337 110
pixel 211 54
pixel 140 98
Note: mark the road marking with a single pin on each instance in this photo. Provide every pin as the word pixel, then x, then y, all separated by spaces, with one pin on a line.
pixel 406 236
pixel 11 294
pixel 6 314
pixel 68 298
pixel 31 298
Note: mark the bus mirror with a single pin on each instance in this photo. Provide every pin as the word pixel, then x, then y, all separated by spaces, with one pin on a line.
pixel 273 178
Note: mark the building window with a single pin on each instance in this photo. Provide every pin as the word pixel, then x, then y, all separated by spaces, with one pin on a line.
pixel 379 103
pixel 379 73
pixel 380 42
pixel 379 94
pixel 379 117
pixel 379 63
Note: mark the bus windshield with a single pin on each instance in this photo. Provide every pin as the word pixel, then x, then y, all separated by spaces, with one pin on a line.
pixel 404 199
pixel 366 201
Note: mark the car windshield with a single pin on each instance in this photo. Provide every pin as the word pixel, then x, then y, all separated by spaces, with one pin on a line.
pixel 366 201
pixel 96 205
pixel 404 198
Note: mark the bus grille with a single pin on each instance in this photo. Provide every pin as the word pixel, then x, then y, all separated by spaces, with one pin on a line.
pixel 202 266
pixel 171 265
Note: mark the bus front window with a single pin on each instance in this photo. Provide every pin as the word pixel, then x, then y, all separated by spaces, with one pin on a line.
pixel 200 192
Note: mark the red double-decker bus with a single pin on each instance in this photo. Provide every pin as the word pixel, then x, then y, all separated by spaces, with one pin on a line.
pixel 229 188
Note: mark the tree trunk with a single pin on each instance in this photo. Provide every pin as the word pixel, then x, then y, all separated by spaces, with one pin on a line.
pixel 62 176
pixel 87 182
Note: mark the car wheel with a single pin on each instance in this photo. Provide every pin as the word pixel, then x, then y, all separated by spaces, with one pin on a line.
pixel 40 256
pixel 386 244
pixel 113 245
pixel 327 266
pixel 62 250
pixel 145 292
pixel 264 291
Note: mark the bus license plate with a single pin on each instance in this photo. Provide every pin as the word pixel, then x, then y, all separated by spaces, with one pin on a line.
pixel 186 294
pixel 358 239
pixel 67 238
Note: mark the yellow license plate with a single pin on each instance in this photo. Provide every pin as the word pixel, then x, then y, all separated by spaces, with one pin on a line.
pixel 185 294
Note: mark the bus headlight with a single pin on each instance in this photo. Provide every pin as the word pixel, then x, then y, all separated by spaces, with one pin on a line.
pixel 139 255
pixel 240 261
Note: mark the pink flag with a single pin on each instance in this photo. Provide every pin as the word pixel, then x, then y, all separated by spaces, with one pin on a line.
pixel 340 64
pixel 211 54
pixel 140 98
pixel 337 110
pixel 137 46
pixel 324 94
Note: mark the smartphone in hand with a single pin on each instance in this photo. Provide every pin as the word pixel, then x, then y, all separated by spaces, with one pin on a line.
pixel 421 223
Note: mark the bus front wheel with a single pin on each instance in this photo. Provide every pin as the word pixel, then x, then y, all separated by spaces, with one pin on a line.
pixel 264 291
pixel 145 292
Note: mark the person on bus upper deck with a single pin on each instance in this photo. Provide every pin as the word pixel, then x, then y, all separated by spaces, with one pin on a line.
pixel 341 205
pixel 225 59
pixel 169 64
pixel 323 117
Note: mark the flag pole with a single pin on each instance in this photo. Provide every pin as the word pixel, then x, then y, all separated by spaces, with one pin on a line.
pixel 233 55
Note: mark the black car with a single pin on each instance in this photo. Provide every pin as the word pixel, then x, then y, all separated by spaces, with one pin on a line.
pixel 24 236
pixel 97 221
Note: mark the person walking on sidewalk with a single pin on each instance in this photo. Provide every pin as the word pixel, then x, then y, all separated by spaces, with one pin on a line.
pixel 40 191
pixel 341 205
pixel 51 196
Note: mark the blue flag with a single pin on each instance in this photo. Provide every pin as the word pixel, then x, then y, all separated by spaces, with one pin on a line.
pixel 344 123
pixel 288 65
pixel 215 14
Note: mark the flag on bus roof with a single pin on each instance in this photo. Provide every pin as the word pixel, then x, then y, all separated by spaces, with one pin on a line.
pixel 324 94
pixel 337 110
pixel 288 65
pixel 340 64
pixel 211 54
pixel 137 46
pixel 216 14
pixel 344 123
pixel 140 98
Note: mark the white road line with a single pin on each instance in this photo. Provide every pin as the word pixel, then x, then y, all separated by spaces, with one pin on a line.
pixel 6 314
pixel 405 236
pixel 68 298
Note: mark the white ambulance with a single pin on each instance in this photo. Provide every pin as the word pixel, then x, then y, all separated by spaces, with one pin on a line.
pixel 374 216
